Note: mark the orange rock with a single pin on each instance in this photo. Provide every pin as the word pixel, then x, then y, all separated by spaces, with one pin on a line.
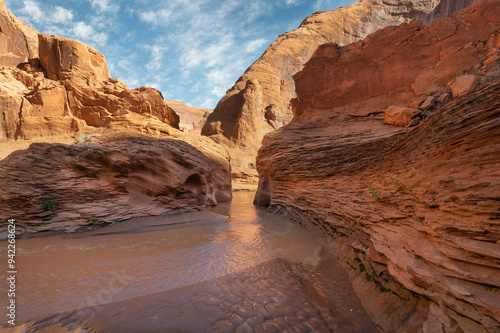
pixel 400 116
pixel 394 65
pixel 288 54
pixel 191 118
pixel 110 181
pixel 409 211
pixel 65 58
pixel 465 84
pixel 18 41
pixel 428 104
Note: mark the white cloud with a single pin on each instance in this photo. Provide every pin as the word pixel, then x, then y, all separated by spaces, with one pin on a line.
pixel 292 2
pixel 33 11
pixel 156 57
pixel 85 32
pixel 62 15
pixel 254 45
pixel 101 6
pixel 156 18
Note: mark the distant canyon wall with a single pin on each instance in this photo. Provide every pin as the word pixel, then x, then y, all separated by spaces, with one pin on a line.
pixel 259 102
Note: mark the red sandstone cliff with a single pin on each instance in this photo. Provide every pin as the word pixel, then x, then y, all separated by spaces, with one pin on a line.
pixel 18 41
pixel 412 212
pixel 259 101
pixel 58 90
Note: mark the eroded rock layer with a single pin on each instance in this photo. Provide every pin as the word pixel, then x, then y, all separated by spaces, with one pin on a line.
pixel 18 41
pixel 64 187
pixel 191 118
pixel 259 101
pixel 413 212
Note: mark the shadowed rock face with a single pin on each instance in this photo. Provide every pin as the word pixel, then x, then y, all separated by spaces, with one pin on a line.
pixel 259 102
pixel 109 181
pixel 407 209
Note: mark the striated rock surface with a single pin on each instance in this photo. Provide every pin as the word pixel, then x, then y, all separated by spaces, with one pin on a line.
pixel 18 41
pixel 191 118
pixel 69 91
pixel 259 102
pixel 113 180
pixel 412 212
pixel 63 92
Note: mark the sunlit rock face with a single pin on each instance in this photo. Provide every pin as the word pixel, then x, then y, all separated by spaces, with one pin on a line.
pixel 259 102
pixel 412 211
pixel 18 41
pixel 61 187
pixel 191 118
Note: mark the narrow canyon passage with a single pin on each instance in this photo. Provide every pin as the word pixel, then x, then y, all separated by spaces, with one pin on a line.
pixel 249 271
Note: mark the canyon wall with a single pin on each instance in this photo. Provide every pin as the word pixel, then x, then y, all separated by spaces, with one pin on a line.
pixel 259 102
pixel 18 41
pixel 191 118
pixel 119 158
pixel 412 211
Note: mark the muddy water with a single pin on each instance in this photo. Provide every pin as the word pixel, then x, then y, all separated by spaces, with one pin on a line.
pixel 237 268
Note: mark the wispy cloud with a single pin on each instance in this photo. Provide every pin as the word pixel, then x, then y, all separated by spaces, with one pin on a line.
pixel 157 52
pixel 101 6
pixel 85 32
pixel 191 50
pixel 254 45
pixel 33 11
pixel 62 15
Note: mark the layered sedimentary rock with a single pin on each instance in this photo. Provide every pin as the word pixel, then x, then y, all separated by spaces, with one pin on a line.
pixel 191 118
pixel 63 187
pixel 412 212
pixel 259 101
pixel 64 92
pixel 18 41
pixel 70 90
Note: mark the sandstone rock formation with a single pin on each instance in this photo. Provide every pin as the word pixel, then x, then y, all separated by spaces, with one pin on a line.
pixel 63 92
pixel 64 58
pixel 18 41
pixel 259 101
pixel 413 213
pixel 191 118
pixel 114 180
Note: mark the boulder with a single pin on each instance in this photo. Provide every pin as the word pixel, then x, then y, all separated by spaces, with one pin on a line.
pixel 109 181
pixel 465 84
pixel 428 104
pixel 401 116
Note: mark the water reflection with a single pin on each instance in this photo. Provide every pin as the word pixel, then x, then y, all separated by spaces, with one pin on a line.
pixel 226 275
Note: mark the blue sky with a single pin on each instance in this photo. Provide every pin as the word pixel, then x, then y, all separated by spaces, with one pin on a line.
pixel 192 51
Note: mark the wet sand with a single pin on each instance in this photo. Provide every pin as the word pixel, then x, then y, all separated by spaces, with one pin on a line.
pixel 233 268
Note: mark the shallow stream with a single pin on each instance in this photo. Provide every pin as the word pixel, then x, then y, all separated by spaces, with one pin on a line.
pixel 236 268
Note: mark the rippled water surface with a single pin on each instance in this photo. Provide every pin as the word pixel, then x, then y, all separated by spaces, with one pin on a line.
pixel 239 269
